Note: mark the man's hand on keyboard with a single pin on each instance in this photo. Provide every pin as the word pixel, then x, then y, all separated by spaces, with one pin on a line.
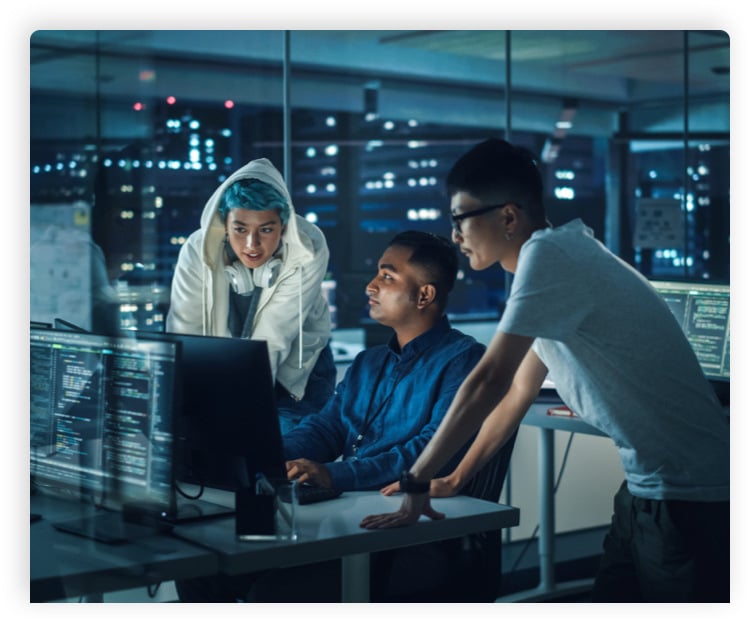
pixel 304 470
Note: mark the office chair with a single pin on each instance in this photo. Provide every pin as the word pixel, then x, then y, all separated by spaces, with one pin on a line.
pixel 482 558
pixel 467 569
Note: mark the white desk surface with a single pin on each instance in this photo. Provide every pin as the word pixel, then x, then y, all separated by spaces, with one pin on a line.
pixel 331 529
pixel 63 565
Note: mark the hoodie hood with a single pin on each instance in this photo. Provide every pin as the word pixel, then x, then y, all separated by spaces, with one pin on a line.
pixel 294 248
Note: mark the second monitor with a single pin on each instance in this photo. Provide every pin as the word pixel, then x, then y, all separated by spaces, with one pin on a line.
pixel 228 428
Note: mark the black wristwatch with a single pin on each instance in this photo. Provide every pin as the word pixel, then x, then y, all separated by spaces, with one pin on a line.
pixel 409 485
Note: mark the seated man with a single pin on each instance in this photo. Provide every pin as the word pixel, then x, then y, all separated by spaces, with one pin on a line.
pixel 383 413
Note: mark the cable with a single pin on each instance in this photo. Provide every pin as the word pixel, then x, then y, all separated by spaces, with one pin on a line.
pixel 188 496
pixel 530 540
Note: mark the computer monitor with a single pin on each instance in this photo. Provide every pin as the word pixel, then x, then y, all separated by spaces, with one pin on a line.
pixel 101 419
pixel 702 309
pixel 228 429
pixel 66 325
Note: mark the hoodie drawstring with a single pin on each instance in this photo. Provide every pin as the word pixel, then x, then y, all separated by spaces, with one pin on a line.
pixel 299 298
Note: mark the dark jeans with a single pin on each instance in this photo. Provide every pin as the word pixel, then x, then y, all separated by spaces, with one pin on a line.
pixel 665 551
pixel 320 387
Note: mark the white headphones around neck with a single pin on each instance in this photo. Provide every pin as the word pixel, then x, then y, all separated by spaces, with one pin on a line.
pixel 244 280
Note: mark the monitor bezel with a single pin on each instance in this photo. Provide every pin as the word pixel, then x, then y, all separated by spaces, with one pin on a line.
pixel 199 438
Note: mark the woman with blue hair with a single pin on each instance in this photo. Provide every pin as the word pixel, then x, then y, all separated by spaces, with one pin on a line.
pixel 254 270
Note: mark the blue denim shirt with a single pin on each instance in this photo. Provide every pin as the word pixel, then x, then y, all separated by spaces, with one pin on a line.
pixel 395 399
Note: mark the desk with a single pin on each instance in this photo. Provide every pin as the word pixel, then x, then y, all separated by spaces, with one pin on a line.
pixel 331 530
pixel 548 424
pixel 64 565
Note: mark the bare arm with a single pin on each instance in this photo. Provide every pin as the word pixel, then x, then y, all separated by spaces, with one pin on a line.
pixel 497 428
pixel 479 394
pixel 477 397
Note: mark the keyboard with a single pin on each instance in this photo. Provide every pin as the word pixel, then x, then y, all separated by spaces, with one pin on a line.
pixel 310 494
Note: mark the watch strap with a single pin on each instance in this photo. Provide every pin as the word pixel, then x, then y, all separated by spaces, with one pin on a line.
pixel 409 485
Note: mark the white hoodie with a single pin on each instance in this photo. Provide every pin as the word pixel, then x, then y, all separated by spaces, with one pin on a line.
pixel 200 289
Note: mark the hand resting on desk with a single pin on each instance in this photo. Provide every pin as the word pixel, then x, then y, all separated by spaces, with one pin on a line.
pixel 412 508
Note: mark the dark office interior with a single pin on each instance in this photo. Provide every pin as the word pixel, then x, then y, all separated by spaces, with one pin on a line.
pixel 132 130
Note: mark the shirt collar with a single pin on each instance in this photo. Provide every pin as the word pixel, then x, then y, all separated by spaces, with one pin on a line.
pixel 422 342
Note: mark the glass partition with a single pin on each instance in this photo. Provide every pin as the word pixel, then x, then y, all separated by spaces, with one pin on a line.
pixel 676 135
pixel 131 131
pixel 374 132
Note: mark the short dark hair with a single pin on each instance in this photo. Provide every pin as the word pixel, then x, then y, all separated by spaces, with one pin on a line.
pixel 436 255
pixel 496 171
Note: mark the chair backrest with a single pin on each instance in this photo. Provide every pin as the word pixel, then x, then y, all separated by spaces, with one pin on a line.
pixel 488 483
pixel 479 571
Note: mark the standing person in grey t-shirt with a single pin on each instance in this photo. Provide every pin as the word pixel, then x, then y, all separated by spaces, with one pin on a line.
pixel 619 360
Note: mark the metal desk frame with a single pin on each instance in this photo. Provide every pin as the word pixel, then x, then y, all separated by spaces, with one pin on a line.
pixel 548 588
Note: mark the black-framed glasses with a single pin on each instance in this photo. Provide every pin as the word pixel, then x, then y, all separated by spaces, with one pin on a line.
pixel 457 218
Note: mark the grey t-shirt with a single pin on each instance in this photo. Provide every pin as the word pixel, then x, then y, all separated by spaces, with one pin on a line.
pixel 620 360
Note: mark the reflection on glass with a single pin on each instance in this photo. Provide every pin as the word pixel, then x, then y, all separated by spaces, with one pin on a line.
pixel 142 125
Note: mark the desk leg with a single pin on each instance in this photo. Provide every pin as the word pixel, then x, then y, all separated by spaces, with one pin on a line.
pixel 546 509
pixel 548 589
pixel 355 578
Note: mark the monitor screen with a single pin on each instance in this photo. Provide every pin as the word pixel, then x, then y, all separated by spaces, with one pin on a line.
pixel 702 309
pixel 101 418
pixel 228 429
